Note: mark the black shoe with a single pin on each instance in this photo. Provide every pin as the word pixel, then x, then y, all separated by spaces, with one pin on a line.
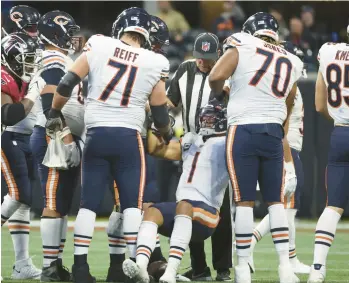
pixel 115 273
pixel 50 274
pixel 63 272
pixel 81 274
pixel 223 275
pixel 205 275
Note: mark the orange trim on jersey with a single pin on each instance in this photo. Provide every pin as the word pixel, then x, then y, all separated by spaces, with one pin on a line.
pixel 116 194
pixel 205 218
pixel 143 171
pixel 9 178
pixel 51 188
pixel 54 59
pixel 230 163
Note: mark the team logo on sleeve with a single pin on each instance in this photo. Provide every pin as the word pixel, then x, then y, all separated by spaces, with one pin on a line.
pixel 3 82
pixel 61 20
pixel 16 17
pixel 205 46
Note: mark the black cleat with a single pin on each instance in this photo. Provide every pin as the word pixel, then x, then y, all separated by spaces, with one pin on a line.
pixel 116 274
pixel 205 275
pixel 63 272
pixel 223 275
pixel 81 274
pixel 50 274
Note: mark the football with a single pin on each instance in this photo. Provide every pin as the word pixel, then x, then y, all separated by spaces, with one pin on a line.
pixel 156 269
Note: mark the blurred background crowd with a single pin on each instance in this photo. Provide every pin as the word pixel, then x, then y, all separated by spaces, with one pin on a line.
pixel 307 24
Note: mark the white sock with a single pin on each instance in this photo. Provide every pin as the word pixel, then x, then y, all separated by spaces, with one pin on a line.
pixel 51 237
pixel 324 234
pixel 260 231
pixel 8 207
pixel 291 215
pixel 64 228
pixel 146 241
pixel 132 222
pixel 117 243
pixel 179 242
pixel 19 226
pixel 83 231
pixel 279 231
pixel 243 233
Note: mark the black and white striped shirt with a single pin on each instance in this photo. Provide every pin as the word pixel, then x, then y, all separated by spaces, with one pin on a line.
pixel 190 87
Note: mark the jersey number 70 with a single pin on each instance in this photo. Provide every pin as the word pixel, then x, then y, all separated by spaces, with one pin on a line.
pixel 276 80
pixel 122 69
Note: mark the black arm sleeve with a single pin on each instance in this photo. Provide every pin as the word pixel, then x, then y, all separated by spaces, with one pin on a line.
pixel 160 115
pixel 11 114
pixel 66 86
pixel 46 101
pixel 173 91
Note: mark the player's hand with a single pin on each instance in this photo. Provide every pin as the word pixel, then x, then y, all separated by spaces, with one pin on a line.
pixel 54 123
pixel 72 154
pixel 290 180
pixel 167 136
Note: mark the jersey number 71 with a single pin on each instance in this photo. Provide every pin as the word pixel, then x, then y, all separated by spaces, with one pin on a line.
pixel 276 80
pixel 122 69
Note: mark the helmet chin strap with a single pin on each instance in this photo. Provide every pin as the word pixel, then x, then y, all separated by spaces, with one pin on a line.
pixel 69 50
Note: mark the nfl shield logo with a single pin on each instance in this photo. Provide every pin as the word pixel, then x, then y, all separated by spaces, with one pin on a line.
pixel 205 46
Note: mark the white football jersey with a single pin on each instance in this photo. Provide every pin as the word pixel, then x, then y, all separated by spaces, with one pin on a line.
pixel 263 78
pixel 120 80
pixel 73 110
pixel 295 129
pixel 334 67
pixel 205 177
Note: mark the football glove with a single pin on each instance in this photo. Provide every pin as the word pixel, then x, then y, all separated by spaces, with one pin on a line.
pixel 54 123
pixel 72 152
pixel 290 179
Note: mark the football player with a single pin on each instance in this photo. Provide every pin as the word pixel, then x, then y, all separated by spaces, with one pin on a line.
pixel 332 100
pixel 56 31
pixel 159 37
pixel 18 56
pixel 263 87
pixel 21 18
pixel 122 77
pixel 199 195
pixel 294 131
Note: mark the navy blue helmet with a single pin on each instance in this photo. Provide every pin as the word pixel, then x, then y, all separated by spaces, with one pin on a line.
pixel 22 18
pixel 262 24
pixel 159 35
pixel 132 20
pixel 59 29
pixel 212 119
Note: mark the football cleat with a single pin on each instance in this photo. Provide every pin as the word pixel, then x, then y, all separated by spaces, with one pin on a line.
pixel 203 276
pixel 132 270
pixel 81 274
pixel 317 273
pixel 242 274
pixel 299 267
pixel 167 278
pixel 286 274
pixel 116 274
pixel 25 269
pixel 223 276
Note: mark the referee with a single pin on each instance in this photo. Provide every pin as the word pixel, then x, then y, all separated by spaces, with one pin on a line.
pixel 189 89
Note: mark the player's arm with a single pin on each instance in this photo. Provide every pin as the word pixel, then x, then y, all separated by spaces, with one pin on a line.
pixel 222 70
pixel 159 110
pixel 321 96
pixel 158 148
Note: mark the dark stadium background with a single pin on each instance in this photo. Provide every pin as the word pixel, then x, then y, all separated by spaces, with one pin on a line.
pixel 98 16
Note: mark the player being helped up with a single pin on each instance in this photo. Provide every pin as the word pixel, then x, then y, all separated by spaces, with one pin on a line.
pixel 199 195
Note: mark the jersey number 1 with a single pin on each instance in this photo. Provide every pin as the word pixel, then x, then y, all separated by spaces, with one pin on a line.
pixel 276 80
pixel 122 68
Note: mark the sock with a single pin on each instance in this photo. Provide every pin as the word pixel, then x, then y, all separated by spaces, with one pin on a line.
pixel 157 253
pixel 19 226
pixel 132 222
pixel 243 233
pixel 146 242
pixel 8 207
pixel 180 238
pixel 64 228
pixel 83 231
pixel 324 234
pixel 291 215
pixel 117 243
pixel 279 231
pixel 260 231
pixel 51 236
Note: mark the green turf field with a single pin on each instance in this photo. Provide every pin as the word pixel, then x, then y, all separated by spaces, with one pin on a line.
pixel 265 257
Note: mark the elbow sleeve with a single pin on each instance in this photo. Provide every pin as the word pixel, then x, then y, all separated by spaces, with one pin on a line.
pixel 160 115
pixel 67 84
pixel 46 101
pixel 11 114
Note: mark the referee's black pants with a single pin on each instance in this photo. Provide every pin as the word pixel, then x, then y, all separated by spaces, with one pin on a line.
pixel 221 243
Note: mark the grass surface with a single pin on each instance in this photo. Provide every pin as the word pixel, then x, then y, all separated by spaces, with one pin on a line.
pixel 265 256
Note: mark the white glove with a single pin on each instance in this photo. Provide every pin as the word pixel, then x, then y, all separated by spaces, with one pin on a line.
pixel 72 152
pixel 290 179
